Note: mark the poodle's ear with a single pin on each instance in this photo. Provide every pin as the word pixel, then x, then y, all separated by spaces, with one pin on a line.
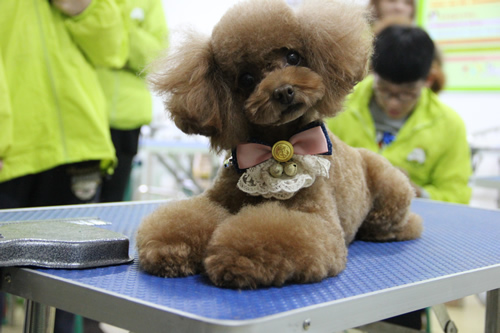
pixel 194 92
pixel 338 44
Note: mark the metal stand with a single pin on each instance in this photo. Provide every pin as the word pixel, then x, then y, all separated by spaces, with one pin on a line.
pixel 444 319
pixel 39 318
pixel 492 324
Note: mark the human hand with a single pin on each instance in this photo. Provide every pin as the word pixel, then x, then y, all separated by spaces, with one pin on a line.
pixel 71 7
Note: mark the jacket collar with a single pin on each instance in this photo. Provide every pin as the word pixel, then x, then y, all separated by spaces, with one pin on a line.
pixel 422 116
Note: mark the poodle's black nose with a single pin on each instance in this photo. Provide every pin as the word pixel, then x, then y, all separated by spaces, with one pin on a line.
pixel 284 94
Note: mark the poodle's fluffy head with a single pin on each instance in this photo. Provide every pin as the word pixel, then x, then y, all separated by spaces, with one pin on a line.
pixel 266 69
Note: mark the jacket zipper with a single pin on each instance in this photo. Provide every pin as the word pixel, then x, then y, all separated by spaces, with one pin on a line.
pixel 114 103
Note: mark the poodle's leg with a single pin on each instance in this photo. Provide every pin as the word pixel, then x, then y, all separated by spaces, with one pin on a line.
pixel 172 240
pixel 390 217
pixel 270 244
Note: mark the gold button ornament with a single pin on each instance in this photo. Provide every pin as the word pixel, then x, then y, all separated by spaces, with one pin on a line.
pixel 282 151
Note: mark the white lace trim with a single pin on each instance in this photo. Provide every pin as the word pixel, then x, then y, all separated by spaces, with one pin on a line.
pixel 258 181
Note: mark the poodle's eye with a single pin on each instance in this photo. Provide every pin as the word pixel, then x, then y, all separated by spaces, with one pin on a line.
pixel 293 58
pixel 247 81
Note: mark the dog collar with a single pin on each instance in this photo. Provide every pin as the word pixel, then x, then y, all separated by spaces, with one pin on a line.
pixel 310 140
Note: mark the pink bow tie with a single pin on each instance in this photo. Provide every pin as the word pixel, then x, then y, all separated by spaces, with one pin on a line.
pixel 312 141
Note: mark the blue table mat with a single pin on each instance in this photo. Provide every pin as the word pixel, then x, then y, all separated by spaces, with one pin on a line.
pixel 456 239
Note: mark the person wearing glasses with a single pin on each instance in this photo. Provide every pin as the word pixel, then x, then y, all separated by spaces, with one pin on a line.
pixel 393 112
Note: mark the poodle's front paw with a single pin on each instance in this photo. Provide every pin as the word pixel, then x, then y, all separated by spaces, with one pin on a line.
pixel 172 240
pixel 268 245
pixel 169 260
pixel 226 267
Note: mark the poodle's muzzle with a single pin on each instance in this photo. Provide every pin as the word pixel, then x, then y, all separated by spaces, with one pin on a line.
pixel 284 95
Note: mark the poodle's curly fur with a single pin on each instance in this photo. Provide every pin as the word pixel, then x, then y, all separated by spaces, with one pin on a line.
pixel 225 87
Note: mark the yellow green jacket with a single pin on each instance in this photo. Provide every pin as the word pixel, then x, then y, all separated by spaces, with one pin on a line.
pixel 127 94
pixel 52 108
pixel 431 146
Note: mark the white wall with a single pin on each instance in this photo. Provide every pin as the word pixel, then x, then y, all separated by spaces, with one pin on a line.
pixel 199 14
pixel 480 110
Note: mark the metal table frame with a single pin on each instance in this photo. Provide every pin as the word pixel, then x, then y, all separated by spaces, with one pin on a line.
pixel 43 290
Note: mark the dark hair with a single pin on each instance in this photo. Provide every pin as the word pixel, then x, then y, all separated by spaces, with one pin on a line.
pixel 402 54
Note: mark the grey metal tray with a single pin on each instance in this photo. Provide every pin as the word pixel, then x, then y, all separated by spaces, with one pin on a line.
pixel 63 243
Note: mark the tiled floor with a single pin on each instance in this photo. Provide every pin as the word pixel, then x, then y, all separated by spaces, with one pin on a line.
pixel 468 315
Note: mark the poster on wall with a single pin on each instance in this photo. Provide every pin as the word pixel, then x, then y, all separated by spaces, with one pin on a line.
pixel 468 34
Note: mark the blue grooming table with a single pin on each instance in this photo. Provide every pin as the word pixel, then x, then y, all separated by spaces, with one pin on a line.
pixel 458 255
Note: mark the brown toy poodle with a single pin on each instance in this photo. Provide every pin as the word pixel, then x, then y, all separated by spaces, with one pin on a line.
pixel 292 196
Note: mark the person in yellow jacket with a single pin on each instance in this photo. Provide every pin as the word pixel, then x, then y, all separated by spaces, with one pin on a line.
pixel 129 100
pixel 394 113
pixel 54 133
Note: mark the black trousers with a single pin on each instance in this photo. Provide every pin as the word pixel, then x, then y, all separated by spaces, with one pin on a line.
pixel 126 144
pixel 69 184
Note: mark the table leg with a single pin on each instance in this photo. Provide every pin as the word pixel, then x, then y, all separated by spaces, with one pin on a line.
pixel 39 318
pixel 492 311
pixel 444 319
